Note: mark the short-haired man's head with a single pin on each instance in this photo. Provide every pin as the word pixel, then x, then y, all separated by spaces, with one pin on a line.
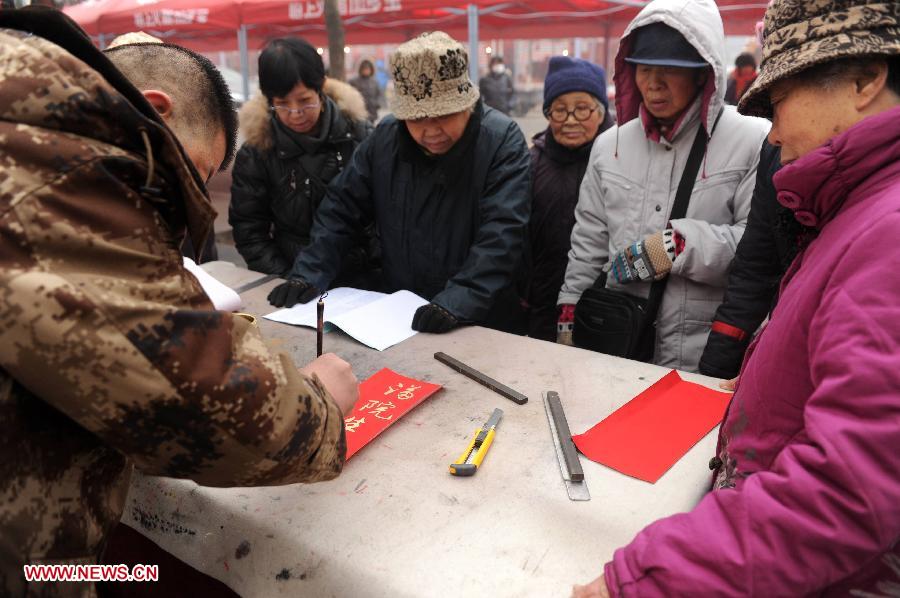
pixel 202 107
pixel 745 59
pixel 287 61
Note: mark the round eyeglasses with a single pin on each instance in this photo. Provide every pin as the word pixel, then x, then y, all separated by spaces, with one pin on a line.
pixel 581 113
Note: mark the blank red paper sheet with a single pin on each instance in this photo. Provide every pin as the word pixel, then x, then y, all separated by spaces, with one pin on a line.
pixel 650 433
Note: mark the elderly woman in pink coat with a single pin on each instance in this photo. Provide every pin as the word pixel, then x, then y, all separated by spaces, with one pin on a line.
pixel 806 497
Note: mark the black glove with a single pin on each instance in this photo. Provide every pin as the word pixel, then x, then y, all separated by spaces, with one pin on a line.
pixel 292 292
pixel 434 318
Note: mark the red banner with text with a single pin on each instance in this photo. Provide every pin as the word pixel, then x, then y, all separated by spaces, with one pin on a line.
pixel 383 399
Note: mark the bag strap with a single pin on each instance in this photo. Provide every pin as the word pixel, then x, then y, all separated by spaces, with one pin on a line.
pixel 679 210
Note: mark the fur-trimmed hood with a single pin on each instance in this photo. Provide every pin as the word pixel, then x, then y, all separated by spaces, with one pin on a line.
pixel 254 116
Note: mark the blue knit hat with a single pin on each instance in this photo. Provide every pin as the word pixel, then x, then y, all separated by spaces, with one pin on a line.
pixel 573 74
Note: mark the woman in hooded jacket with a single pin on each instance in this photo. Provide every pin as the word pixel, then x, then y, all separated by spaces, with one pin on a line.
pixel 300 133
pixel 806 498
pixel 670 83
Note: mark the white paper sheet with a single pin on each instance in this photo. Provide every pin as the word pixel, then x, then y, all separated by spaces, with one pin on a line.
pixel 374 319
pixel 222 297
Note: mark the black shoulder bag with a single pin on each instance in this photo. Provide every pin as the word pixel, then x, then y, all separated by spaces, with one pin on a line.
pixel 613 322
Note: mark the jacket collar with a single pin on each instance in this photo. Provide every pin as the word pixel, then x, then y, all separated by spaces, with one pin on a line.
pixel 657 133
pixel 256 122
pixel 449 163
pixel 547 144
pixel 842 172
pixel 96 101
pixel 290 144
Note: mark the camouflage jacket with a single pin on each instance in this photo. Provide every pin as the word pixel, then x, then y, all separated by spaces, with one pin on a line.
pixel 111 356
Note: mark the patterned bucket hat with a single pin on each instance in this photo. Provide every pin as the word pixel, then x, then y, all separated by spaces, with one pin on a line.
pixel 799 34
pixel 431 77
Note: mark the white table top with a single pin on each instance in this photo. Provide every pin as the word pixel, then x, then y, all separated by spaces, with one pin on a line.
pixel 396 523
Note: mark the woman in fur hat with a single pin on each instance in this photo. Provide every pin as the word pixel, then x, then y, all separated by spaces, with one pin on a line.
pixel 806 498
pixel 300 133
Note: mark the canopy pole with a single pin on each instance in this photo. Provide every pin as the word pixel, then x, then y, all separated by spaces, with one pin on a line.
pixel 472 11
pixel 245 62
pixel 606 49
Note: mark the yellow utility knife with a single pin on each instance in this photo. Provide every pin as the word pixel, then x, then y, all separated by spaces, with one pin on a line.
pixel 471 459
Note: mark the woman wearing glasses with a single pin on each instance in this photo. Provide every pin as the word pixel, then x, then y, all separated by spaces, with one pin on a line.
pixel 670 88
pixel 299 134
pixel 576 105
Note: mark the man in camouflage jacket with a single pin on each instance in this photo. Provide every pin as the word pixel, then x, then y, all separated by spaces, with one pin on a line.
pixel 111 355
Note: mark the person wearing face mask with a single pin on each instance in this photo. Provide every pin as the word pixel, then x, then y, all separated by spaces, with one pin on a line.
pixel 577 108
pixel 446 182
pixel 300 133
pixel 497 86
pixel 670 83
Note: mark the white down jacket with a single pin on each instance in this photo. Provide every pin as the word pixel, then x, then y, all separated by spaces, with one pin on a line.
pixel 630 186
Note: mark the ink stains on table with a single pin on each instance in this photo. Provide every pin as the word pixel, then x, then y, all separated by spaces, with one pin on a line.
pixel 285 574
pixel 242 550
pixel 155 523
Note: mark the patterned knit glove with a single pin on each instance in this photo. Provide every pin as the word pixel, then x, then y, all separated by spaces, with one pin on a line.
pixel 650 259
pixel 565 325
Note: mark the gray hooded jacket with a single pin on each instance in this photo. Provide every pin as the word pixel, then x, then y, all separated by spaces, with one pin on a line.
pixel 630 186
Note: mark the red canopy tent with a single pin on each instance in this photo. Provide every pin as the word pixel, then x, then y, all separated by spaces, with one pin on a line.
pixel 375 21
pixel 210 25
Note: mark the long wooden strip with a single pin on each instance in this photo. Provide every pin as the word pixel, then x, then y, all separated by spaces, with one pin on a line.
pixel 482 379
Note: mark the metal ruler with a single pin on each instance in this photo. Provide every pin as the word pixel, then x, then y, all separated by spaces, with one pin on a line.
pixel 569 465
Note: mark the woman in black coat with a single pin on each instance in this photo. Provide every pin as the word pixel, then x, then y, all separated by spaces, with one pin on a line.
pixel 299 134
pixel 768 247
pixel 576 105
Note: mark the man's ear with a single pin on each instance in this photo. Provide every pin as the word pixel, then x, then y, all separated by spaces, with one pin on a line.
pixel 161 102
pixel 869 83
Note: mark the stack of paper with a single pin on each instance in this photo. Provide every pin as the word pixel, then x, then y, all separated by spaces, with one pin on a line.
pixel 374 319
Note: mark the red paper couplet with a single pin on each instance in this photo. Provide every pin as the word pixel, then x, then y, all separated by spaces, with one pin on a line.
pixel 651 432
pixel 383 399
